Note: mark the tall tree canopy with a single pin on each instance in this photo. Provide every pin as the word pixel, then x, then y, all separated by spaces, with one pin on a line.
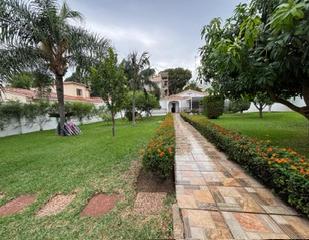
pixel 36 34
pixel 138 72
pixel 177 79
pixel 109 80
pixel 263 47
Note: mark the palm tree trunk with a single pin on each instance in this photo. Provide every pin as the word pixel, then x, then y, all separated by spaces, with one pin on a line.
pixel 60 98
pixel 133 107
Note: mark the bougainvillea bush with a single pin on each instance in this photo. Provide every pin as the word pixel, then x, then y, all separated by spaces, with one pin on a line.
pixel 282 169
pixel 160 152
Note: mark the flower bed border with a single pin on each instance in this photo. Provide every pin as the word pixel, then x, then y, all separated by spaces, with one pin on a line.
pixel 283 170
pixel 159 154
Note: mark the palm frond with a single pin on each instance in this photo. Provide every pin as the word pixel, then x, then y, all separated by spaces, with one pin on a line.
pixel 67 13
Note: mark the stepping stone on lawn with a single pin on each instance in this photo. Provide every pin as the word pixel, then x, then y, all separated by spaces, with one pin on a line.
pixel 56 205
pixel 99 205
pixel 17 205
pixel 149 202
pixel 1 195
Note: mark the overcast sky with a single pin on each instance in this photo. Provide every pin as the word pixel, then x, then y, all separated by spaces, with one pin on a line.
pixel 168 29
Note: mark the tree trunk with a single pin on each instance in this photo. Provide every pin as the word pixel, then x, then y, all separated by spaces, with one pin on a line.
pixel 20 125
pixel 60 98
pixel 113 124
pixel 133 107
pixel 261 112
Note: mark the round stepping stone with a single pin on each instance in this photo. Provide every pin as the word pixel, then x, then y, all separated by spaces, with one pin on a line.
pixel 99 205
pixel 56 205
pixel 149 202
pixel 17 205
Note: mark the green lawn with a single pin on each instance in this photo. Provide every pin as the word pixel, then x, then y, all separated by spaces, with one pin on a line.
pixel 44 164
pixel 284 129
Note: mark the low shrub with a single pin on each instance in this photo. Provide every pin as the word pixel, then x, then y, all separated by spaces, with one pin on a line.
pixel 282 169
pixel 213 106
pixel 160 152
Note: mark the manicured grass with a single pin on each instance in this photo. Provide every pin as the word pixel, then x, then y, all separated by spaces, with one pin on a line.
pixel 284 129
pixel 45 164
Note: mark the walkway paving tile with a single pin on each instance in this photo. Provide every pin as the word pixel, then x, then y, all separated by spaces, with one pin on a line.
pixel 219 200
pixel 205 225
pixel 253 226
pixel 273 205
pixel 189 177
pixel 186 166
pixel 200 157
pixel 295 227
pixel 198 197
pixel 235 199
pixel 220 179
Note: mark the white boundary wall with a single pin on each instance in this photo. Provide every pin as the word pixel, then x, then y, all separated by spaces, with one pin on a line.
pixel 278 107
pixel 14 128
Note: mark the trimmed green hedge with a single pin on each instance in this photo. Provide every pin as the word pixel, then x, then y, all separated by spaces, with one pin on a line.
pixel 283 170
pixel 159 154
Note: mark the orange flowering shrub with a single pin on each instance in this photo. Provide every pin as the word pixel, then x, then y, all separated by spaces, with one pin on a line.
pixel 282 169
pixel 160 151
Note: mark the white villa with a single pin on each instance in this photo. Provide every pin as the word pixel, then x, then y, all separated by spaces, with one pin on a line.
pixel 185 101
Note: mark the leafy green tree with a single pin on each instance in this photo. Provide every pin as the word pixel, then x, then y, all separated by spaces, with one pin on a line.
pixel 138 72
pixel 177 79
pixel 240 105
pixel 263 48
pixel 22 80
pixel 37 34
pixel 144 102
pixel 260 101
pixel 108 78
pixel 192 86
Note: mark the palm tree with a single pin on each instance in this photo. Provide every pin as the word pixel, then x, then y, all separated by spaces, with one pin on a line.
pixel 138 74
pixel 37 33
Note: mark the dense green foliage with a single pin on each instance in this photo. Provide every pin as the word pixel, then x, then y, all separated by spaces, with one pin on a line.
pixel 264 48
pixel 281 169
pixel 82 110
pixel 40 80
pixel 40 163
pixel 283 129
pixel 192 86
pixel 177 79
pixel 160 152
pixel 213 106
pixel 144 102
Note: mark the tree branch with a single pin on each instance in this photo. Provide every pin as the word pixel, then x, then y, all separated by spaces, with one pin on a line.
pixel 302 110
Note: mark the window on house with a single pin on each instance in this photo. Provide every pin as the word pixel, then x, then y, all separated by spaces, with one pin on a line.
pixel 79 92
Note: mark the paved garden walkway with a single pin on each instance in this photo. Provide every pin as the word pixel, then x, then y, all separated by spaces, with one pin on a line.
pixel 218 200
